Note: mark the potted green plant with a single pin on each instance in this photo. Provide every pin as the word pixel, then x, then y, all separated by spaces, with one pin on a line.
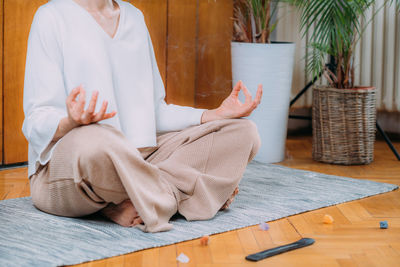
pixel 258 60
pixel 344 114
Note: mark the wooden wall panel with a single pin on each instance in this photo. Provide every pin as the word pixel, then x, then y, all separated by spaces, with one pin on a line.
pixel 155 13
pixel 2 80
pixel 214 75
pixel 181 51
pixel 18 15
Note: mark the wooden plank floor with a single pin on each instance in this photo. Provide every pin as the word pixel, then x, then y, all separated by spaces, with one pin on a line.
pixel 354 239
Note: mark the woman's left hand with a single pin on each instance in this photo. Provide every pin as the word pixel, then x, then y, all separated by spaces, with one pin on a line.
pixel 232 108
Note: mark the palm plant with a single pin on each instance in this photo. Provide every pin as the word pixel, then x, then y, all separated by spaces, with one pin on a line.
pixel 336 30
pixel 253 20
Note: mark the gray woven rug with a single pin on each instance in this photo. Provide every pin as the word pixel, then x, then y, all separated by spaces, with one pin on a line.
pixel 29 237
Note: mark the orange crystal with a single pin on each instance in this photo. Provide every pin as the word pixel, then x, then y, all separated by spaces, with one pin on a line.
pixel 204 240
pixel 328 219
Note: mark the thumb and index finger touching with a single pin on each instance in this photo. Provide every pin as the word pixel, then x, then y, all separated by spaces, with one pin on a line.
pixel 78 96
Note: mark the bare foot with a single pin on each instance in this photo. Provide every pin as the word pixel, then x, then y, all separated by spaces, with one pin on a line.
pixel 230 199
pixel 124 213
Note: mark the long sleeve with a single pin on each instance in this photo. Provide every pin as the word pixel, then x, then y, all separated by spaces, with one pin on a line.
pixel 170 117
pixel 44 91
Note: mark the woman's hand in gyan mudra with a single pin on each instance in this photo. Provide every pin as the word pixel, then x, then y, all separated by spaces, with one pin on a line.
pixel 77 115
pixel 76 112
pixel 232 108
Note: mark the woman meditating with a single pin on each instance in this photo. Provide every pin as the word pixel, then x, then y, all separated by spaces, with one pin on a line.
pixel 102 138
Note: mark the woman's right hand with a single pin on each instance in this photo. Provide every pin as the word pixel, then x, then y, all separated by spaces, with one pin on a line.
pixel 76 113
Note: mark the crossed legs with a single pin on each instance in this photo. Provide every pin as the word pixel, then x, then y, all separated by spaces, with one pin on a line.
pixel 193 171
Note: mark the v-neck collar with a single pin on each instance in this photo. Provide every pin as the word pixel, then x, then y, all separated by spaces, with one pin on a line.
pixel 120 20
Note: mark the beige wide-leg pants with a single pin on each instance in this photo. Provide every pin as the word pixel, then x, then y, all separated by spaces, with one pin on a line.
pixel 193 171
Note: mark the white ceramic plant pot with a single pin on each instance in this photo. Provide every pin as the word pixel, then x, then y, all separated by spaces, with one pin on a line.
pixel 272 66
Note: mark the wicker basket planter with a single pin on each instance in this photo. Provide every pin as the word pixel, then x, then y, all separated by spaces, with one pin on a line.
pixel 344 125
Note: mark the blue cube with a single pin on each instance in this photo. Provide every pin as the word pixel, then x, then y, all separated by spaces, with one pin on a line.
pixel 383 224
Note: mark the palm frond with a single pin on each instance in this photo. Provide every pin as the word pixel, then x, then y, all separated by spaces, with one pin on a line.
pixel 316 59
pixel 335 27
pixel 397 2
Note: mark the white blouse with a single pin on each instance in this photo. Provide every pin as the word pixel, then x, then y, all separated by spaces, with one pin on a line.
pixel 66 48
